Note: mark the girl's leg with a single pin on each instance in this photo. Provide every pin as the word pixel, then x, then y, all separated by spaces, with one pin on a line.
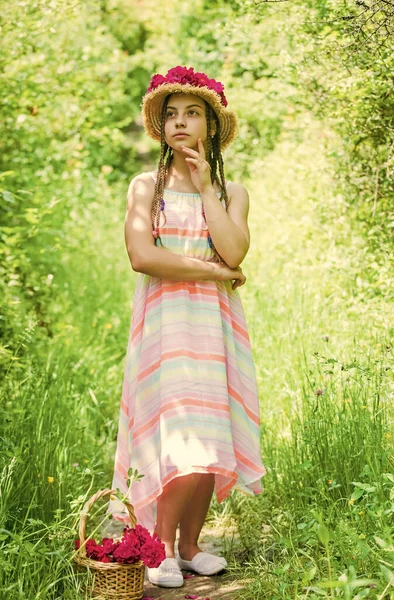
pixel 171 505
pixel 194 515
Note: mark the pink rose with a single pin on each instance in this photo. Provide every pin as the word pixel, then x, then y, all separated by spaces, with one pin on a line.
pixel 153 553
pixel 128 551
pixel 156 81
pixel 183 75
pixel 142 534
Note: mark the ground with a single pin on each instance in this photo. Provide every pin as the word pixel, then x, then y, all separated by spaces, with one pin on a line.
pixel 214 587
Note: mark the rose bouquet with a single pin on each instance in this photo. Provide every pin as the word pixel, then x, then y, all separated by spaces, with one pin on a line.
pixel 136 544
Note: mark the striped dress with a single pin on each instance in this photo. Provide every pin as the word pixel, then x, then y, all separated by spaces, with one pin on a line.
pixel 189 400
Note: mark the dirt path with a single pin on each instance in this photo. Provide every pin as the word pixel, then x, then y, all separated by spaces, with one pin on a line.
pixel 204 588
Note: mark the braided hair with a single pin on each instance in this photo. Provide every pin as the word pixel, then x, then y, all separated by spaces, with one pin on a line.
pixel 214 158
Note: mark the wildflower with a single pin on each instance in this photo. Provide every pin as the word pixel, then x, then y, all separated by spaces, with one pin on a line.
pixel 38 475
pixel 108 326
pixel 361 513
pixel 351 501
pixel 85 460
pixel 106 169
pixel 372 586
pixel 50 479
pixel 364 406
pixel 75 465
pixel 318 392
pixel 326 338
pixel 347 400
pixel 329 481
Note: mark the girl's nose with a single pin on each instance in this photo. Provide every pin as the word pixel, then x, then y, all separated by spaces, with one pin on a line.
pixel 180 121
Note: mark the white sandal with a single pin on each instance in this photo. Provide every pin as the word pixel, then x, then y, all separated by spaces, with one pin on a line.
pixel 203 563
pixel 168 574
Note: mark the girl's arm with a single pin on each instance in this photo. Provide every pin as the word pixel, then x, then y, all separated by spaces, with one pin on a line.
pixel 147 258
pixel 229 230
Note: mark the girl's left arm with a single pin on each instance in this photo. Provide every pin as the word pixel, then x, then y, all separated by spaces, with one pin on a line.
pixel 229 230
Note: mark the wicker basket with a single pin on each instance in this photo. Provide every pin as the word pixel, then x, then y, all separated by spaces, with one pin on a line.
pixel 111 581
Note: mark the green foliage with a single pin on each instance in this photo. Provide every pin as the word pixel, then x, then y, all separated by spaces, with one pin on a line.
pixel 311 83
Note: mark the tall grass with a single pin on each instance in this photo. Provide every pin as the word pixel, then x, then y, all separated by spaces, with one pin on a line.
pixel 323 344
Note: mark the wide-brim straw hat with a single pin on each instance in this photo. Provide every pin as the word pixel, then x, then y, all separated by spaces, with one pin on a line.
pixel 187 81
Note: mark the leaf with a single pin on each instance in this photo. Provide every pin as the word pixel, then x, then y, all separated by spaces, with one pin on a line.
pixel 380 542
pixel 387 574
pixel 358 492
pixel 324 534
pixel 364 486
pixel 309 575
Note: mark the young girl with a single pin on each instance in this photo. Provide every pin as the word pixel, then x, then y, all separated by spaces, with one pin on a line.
pixel 189 415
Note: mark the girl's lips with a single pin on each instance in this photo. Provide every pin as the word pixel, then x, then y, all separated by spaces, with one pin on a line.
pixel 181 135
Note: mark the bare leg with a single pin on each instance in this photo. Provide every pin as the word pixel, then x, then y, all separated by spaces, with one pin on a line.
pixel 194 515
pixel 171 505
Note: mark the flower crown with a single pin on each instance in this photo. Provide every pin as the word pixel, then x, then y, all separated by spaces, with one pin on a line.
pixel 183 75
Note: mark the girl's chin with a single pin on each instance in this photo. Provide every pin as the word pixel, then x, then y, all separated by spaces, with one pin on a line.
pixel 176 144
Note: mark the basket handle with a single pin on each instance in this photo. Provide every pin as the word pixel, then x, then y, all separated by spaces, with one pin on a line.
pixel 85 512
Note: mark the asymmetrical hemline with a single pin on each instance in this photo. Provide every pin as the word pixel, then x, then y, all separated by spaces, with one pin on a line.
pixel 189 398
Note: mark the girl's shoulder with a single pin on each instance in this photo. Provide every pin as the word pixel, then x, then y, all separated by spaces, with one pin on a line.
pixel 237 191
pixel 142 183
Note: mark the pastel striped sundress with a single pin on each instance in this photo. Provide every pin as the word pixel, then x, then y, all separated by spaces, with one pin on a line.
pixel 189 399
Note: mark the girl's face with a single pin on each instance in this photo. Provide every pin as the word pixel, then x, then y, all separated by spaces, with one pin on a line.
pixel 185 121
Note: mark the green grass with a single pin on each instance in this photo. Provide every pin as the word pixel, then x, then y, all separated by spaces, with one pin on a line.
pixel 321 331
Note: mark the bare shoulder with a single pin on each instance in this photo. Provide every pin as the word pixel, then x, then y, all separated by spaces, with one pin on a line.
pixel 238 194
pixel 141 188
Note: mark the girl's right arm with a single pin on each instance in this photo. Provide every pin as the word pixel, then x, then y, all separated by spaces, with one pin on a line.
pixel 147 258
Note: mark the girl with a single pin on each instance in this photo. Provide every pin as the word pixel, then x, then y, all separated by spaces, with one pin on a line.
pixel 189 415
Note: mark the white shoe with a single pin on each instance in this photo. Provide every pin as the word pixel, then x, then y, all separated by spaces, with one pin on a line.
pixel 168 574
pixel 203 563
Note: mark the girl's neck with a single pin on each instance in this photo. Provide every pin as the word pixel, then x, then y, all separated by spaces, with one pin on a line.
pixel 179 178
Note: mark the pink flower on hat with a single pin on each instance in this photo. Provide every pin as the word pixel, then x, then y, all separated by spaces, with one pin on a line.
pixel 184 76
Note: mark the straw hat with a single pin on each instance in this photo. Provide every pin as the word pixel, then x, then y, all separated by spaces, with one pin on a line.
pixel 182 79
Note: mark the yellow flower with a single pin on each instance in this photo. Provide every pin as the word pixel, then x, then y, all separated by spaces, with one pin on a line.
pixel 347 400
pixel 50 479
pixel 329 481
pixel 85 460
pixel 108 326
pixel 351 501
pixel 38 475
pixel 364 406
pixel 361 513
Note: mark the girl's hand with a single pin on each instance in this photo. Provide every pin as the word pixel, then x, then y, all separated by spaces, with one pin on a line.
pixel 200 169
pixel 224 273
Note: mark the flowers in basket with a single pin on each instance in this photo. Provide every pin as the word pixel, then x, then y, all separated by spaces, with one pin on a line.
pixel 136 544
